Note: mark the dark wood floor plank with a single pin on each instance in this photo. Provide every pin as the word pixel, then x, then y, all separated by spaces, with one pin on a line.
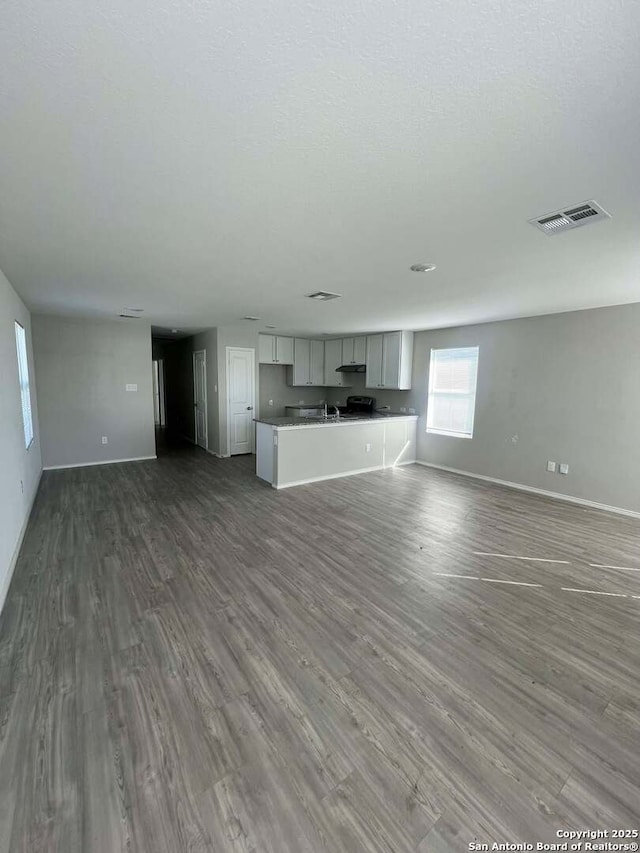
pixel 190 661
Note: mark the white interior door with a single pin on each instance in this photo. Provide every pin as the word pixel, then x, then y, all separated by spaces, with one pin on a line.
pixel 241 394
pixel 200 396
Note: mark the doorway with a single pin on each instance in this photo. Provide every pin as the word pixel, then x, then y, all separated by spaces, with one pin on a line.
pixel 241 394
pixel 200 397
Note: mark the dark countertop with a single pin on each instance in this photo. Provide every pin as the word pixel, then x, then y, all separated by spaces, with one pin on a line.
pixel 344 420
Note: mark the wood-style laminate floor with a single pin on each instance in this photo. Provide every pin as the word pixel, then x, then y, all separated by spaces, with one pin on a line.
pixel 191 661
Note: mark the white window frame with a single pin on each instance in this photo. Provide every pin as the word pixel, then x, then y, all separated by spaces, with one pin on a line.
pixel 432 393
pixel 25 384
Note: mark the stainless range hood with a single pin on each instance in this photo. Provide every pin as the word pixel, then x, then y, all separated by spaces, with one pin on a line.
pixel 351 368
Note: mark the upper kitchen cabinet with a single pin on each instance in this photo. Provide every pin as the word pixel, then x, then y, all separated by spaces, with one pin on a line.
pixel 275 349
pixel 308 363
pixel 389 361
pixel 354 350
pixel 333 359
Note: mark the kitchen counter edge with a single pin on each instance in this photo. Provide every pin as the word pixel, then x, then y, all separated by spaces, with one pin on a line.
pixel 291 423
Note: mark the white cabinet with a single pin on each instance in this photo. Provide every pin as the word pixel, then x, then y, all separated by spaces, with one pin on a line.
pixel 275 349
pixel 373 377
pixel 316 367
pixel 266 349
pixel 354 350
pixel 308 363
pixel 333 358
pixel 284 350
pixel 389 360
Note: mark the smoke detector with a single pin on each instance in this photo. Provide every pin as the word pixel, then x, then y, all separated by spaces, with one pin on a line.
pixel 568 218
pixel 324 295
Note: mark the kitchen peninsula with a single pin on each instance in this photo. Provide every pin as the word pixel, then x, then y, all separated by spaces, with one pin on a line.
pixel 292 451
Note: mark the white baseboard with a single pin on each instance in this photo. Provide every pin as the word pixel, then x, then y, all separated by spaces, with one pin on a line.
pixel 99 462
pixel 559 496
pixel 342 474
pixel 14 559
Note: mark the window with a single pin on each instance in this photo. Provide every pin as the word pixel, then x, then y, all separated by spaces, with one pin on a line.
pixel 452 391
pixel 25 390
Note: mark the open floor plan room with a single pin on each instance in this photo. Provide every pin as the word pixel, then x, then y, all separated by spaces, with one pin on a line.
pixel 319 426
pixel 193 661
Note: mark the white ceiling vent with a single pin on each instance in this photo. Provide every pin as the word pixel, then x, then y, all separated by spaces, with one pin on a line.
pixel 573 217
pixel 324 295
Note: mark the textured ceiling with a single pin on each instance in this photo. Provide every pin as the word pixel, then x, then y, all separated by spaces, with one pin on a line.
pixel 209 160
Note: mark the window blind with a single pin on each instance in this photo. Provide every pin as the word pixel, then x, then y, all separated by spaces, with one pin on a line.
pixel 451 401
pixel 25 390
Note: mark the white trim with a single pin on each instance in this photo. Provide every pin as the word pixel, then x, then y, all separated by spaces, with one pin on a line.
pixel 522 488
pixel 16 553
pixel 98 462
pixel 228 402
pixel 342 474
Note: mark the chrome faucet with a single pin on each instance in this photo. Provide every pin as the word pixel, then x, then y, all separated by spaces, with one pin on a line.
pixel 326 414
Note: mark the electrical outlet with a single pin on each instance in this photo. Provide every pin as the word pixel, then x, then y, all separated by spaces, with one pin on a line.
pixel 367 448
pixel 105 440
pixel 403 409
pixel 564 468
pixel 131 387
pixel 271 402
pixel 551 466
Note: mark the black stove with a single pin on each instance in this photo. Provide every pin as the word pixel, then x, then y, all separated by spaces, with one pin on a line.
pixel 362 407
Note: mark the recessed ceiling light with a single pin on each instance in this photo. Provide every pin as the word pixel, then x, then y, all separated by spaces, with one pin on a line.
pixel 130 316
pixel 253 319
pixel 422 267
pixel 270 327
pixel 324 295
pixel 134 310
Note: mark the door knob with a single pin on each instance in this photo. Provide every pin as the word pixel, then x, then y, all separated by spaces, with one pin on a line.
pixel 249 408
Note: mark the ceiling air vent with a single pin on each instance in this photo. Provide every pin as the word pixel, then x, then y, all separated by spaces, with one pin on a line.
pixel 573 217
pixel 324 295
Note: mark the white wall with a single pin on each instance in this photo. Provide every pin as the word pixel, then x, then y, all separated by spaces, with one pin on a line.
pixel 567 385
pixel 20 467
pixel 82 368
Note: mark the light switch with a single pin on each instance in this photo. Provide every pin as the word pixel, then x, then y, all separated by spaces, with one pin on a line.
pixel 551 466
pixel 132 387
pixel 564 468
